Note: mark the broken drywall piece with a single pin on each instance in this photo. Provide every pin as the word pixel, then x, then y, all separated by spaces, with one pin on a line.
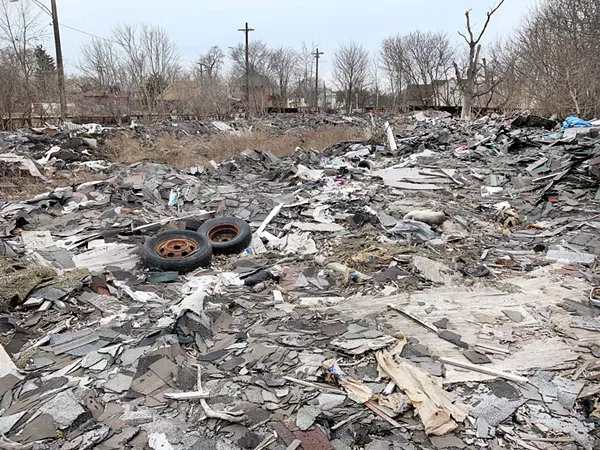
pixel 438 412
pixel 566 257
pixel 159 441
pixel 7 365
pixel 111 254
pixel 319 227
pixel 435 271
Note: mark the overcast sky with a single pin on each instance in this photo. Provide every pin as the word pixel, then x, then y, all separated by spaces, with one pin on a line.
pixel 196 25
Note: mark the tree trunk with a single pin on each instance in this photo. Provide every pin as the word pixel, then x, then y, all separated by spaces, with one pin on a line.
pixel 467 105
pixel 349 102
pixel 469 84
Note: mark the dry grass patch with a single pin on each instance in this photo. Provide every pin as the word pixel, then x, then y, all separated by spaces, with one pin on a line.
pixel 183 152
pixel 26 187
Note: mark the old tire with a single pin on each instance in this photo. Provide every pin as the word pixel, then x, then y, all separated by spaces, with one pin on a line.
pixel 176 251
pixel 227 235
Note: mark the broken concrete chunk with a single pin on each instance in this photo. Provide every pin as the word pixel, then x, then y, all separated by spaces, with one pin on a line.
pixel 119 383
pixel 306 417
pixel 327 402
pixel 64 409
pixel 136 417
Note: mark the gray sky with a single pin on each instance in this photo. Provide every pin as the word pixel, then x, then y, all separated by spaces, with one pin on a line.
pixel 196 25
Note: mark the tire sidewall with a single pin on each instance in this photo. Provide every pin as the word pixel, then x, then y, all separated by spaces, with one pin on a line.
pixel 200 258
pixel 236 245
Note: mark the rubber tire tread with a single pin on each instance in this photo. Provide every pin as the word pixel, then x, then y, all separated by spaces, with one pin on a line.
pixel 201 258
pixel 237 245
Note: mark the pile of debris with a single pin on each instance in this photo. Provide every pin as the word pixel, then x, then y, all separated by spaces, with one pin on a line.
pixel 437 290
pixel 44 152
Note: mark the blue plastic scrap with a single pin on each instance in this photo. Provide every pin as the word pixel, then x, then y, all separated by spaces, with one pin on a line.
pixel 575 122
pixel 336 372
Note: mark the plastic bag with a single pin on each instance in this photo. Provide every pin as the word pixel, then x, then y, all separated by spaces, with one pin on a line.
pixel 575 122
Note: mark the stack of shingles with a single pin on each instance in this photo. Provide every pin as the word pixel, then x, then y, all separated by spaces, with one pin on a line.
pixel 134 382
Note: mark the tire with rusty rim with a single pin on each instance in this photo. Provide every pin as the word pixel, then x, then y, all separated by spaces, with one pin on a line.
pixel 227 235
pixel 176 251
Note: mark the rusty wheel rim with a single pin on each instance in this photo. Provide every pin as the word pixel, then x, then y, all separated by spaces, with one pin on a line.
pixel 223 233
pixel 176 248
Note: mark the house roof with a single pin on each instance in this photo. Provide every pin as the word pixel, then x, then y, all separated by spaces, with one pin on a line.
pixel 179 91
pixel 422 93
pixel 256 79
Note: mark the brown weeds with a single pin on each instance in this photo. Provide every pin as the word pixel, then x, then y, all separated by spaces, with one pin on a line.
pixel 183 152
pixel 26 187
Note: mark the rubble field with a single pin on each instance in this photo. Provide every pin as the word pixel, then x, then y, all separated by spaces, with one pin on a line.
pixel 432 286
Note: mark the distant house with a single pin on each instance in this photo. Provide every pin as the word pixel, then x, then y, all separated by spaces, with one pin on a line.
pixel 101 100
pixel 178 95
pixel 263 92
pixel 440 93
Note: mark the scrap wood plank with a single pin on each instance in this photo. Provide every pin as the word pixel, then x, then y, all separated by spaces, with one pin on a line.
pixel 484 369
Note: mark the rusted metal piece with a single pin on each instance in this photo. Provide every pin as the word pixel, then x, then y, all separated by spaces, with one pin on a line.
pixel 176 248
pixel 223 232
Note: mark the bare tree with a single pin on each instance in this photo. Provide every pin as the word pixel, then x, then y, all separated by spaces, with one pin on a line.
pixel 150 59
pixel 393 58
pixel 282 64
pixel 101 62
pixel 211 63
pixel 258 57
pixel 420 63
pixel 304 74
pixel 105 74
pixel 21 28
pixel 557 51
pixel 376 78
pixel 201 98
pixel 350 69
pixel 468 78
pixel 11 80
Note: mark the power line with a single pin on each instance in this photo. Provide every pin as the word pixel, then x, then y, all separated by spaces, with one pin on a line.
pixel 109 40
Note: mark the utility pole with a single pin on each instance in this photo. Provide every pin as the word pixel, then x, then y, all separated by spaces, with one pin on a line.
pixel 60 68
pixel 317 55
pixel 246 30
pixel 201 72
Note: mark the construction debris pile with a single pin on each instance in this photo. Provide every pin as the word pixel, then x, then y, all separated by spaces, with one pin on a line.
pixel 43 153
pixel 433 289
